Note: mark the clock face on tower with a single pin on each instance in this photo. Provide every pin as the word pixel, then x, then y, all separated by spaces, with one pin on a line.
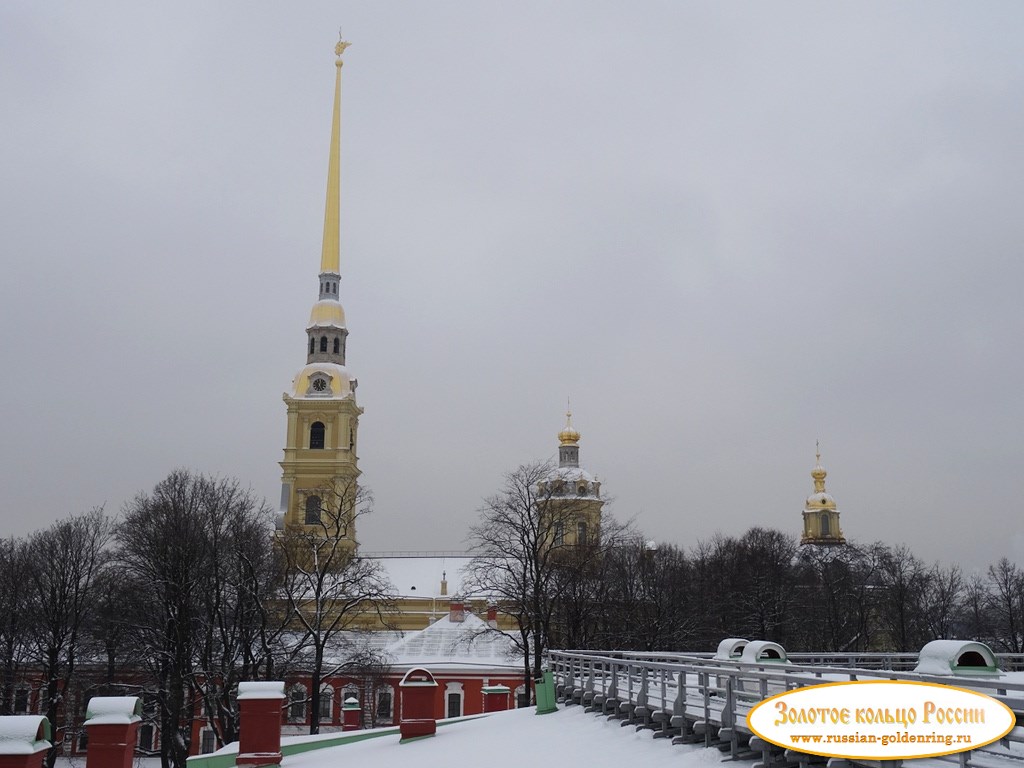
pixel 319 385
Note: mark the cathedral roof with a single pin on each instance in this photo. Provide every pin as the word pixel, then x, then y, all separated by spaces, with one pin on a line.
pixel 421 576
pixel 456 642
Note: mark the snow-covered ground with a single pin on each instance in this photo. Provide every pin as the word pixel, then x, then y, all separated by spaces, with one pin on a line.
pixel 513 739
pixel 79 762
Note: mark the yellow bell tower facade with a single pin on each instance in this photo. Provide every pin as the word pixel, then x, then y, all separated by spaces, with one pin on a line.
pixel 821 517
pixel 320 468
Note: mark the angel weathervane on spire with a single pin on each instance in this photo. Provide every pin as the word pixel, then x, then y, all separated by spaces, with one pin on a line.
pixel 341 46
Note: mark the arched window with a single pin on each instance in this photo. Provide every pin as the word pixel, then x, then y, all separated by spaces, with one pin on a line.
pixel 384 699
pixel 313 509
pixel 312 345
pixel 581 490
pixel 316 434
pixel 21 701
pixel 453 699
pixel 559 534
pixel 337 345
pixel 145 742
pixel 825 529
pixel 326 703
pixel 297 703
pixel 581 533
pixel 323 343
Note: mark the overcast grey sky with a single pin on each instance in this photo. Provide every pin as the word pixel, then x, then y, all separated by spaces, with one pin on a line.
pixel 725 230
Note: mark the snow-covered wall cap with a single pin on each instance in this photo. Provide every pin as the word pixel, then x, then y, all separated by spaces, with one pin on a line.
pixel 24 734
pixel 763 651
pixel 730 648
pixel 418 677
pixel 113 710
pixel 350 703
pixel 261 689
pixel 956 657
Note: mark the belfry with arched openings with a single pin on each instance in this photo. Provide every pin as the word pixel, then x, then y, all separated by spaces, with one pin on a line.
pixel 821 518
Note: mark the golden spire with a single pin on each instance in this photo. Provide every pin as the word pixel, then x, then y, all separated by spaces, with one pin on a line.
pixel 329 259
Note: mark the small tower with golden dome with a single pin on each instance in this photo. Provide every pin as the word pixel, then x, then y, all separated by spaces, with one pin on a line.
pixel 821 518
pixel 570 496
pixel 320 466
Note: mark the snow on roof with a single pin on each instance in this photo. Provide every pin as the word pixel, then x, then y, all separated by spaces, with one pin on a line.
pixel 447 642
pixel 420 576
pixel 344 646
pixel 571 473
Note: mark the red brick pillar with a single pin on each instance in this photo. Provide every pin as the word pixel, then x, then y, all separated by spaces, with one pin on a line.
pixel 351 714
pixel 112 727
pixel 25 740
pixel 496 698
pixel 259 729
pixel 418 689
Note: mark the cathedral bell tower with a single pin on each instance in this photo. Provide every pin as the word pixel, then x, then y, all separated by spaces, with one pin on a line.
pixel 821 518
pixel 320 466
pixel 570 497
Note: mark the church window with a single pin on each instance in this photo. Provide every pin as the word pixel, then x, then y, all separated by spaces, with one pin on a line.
pixel 337 345
pixel 581 533
pixel 559 534
pixel 581 490
pixel 312 345
pixel 323 343
pixel 316 435
pixel 825 528
pixel 313 509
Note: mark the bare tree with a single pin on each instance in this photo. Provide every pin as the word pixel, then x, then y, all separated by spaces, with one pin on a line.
pixel 520 551
pixel 1006 605
pixel 328 588
pixel 648 603
pixel 903 578
pixel 14 617
pixel 943 601
pixel 65 563
pixel 193 547
pixel 232 618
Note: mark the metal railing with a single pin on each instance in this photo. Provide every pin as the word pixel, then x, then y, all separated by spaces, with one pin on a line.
pixel 694 698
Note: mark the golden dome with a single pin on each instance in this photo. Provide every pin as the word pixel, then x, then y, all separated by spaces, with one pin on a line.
pixel 818 473
pixel 327 314
pixel 568 436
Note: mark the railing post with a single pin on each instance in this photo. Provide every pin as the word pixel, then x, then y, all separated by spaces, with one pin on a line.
pixel 703 680
pixel 729 714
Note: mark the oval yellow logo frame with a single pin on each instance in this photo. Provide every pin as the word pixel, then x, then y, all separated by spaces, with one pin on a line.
pixel 881 719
